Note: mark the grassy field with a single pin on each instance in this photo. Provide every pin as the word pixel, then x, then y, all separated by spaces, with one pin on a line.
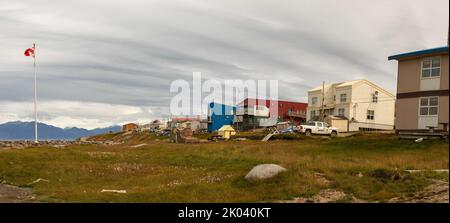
pixel 368 167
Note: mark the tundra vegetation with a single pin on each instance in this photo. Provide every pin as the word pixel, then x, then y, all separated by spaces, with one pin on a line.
pixel 367 167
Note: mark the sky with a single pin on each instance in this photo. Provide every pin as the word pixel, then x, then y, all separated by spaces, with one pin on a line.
pixel 103 62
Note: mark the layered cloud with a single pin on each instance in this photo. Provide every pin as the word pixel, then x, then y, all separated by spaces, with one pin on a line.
pixel 122 56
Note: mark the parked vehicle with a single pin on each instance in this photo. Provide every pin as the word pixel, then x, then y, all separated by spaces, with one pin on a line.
pixel 288 130
pixel 320 128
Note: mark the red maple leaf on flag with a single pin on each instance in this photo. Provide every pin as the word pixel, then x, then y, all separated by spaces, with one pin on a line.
pixel 29 52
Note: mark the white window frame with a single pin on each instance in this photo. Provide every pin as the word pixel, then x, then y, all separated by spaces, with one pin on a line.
pixel 340 98
pixel 428 106
pixel 373 115
pixel 431 67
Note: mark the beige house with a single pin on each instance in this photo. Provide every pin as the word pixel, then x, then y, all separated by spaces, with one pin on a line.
pixel 366 105
pixel 422 90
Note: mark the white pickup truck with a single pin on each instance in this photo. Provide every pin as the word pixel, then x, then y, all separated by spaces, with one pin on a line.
pixel 321 128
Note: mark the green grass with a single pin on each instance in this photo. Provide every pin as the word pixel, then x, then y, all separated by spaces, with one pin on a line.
pixel 213 172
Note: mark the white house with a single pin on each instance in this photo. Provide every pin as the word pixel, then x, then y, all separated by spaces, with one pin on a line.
pixel 366 105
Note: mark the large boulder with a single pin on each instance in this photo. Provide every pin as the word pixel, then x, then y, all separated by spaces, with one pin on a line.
pixel 264 171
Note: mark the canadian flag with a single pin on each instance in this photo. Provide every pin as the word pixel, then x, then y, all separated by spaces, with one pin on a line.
pixel 30 51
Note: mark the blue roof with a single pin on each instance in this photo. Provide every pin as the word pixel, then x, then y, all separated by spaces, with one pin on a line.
pixel 420 52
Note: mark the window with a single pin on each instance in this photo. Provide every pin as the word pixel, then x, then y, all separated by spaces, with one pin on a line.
pixel 370 114
pixel 319 124
pixel 431 68
pixel 375 97
pixel 343 98
pixel 429 106
pixel 314 100
pixel 311 123
pixel 313 114
pixel 341 112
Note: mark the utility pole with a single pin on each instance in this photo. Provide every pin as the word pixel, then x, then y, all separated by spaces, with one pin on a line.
pixel 323 99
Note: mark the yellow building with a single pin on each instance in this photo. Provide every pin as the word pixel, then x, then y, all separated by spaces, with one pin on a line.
pixel 226 131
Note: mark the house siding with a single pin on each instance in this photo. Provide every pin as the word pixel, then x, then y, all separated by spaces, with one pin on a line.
pixel 411 87
pixel 220 115
pixel 406 113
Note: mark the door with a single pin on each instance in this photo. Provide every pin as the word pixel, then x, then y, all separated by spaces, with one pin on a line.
pixel 320 128
pixel 428 112
pixel 326 128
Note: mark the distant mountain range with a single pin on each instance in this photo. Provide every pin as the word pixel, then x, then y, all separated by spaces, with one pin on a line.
pixel 25 131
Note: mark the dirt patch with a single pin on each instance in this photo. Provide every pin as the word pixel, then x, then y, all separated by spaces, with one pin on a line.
pixel 13 194
pixel 435 193
pixel 326 196
pixel 321 179
pixel 438 192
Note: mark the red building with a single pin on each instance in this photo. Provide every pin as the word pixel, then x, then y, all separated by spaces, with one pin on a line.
pixel 254 110
pixel 129 127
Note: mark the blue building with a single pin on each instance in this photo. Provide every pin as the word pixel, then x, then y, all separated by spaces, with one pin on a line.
pixel 220 115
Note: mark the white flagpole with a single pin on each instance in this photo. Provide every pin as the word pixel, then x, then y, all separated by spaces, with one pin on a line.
pixel 35 97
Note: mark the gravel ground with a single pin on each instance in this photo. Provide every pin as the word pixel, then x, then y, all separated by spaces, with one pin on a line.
pixel 13 194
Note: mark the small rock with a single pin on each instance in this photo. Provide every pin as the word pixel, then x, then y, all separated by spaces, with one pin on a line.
pixel 264 171
pixel 360 175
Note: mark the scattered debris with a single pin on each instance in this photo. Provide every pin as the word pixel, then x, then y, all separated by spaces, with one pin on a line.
pixel 422 135
pixel 101 154
pixel 419 140
pixel 113 191
pixel 273 131
pixel 139 145
pixel 267 137
pixel 39 180
pixel 264 171
pixel 360 175
pixel 184 135
pixel 417 171
pixel 128 168
pixel 174 183
pixel 21 144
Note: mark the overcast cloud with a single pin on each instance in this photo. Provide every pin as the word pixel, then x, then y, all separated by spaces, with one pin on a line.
pixel 107 62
